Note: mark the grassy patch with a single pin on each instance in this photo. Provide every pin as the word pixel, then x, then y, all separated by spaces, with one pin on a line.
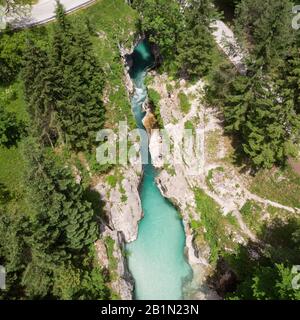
pixel 210 176
pixel 232 220
pixel 192 123
pixel 148 80
pixel 195 224
pixel 170 169
pixel 252 215
pixel 110 245
pixel 214 223
pixel 112 181
pixel 212 142
pixel 12 168
pixel 12 99
pixel 169 87
pixel 282 186
pixel 124 198
pixel 11 160
pixel 12 163
pixel 189 125
pixel 113 17
pixel 208 180
pixel 115 179
pixel 277 213
pixel 185 105
pixel 95 166
pixel 154 98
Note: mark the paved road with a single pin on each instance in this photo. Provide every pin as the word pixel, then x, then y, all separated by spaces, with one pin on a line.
pixel 44 11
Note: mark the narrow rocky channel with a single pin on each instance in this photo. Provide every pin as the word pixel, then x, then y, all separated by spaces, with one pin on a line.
pixel 156 259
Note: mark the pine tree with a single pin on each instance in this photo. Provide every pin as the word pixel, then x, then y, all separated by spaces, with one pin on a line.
pixel 262 107
pixel 264 117
pixel 12 46
pixel 64 88
pixel 196 44
pixel 265 29
pixel 62 22
pixel 48 250
pixel 291 75
pixel 10 128
pixel 34 60
pixel 41 91
pixel 65 220
pixel 79 105
pixel 12 245
pixel 63 227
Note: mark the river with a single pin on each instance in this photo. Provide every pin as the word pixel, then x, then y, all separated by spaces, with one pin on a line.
pixel 156 259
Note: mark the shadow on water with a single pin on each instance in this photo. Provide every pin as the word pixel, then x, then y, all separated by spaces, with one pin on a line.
pixel 142 60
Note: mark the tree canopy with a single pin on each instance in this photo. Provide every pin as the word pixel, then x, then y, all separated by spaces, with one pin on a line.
pixel 64 87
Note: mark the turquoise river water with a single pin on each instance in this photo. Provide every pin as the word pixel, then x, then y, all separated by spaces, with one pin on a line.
pixel 156 259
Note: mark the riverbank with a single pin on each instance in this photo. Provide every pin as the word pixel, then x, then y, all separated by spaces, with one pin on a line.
pixel 177 179
pixel 222 221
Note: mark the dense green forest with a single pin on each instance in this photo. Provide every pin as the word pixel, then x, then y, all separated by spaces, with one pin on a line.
pixel 63 87
pixel 262 109
pixel 48 224
pixel 53 84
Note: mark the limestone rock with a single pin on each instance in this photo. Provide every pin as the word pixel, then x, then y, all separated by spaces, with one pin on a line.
pixel 155 148
pixel 101 253
pixel 123 204
pixel 123 283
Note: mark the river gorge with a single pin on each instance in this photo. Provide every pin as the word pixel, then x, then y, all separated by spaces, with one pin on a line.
pixel 156 259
